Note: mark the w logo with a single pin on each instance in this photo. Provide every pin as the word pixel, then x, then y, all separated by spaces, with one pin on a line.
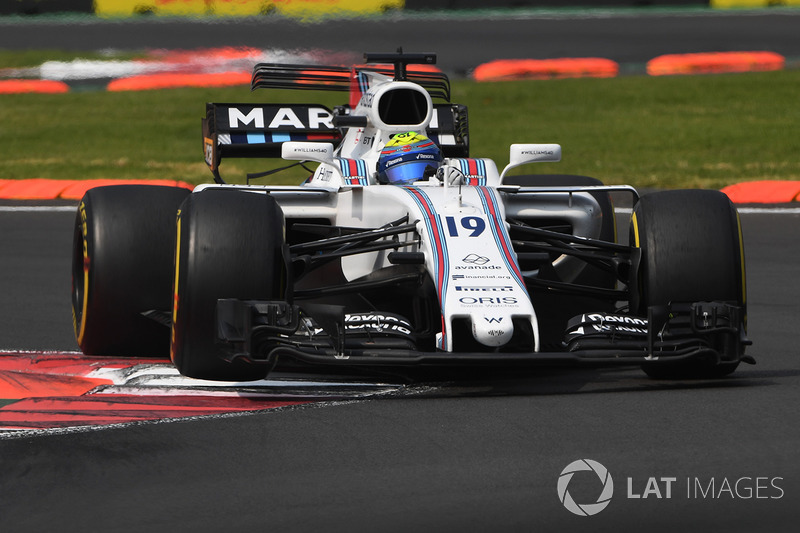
pixel 493 320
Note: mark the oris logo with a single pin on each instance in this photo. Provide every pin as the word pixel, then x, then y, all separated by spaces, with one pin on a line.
pixel 488 300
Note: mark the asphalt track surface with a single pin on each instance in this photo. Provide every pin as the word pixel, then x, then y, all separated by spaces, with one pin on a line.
pixel 461 40
pixel 482 454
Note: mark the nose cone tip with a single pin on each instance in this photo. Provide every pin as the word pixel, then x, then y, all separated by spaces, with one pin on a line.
pixel 492 331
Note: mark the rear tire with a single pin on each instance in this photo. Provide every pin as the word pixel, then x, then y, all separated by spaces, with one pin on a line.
pixel 230 244
pixel 121 267
pixel 691 251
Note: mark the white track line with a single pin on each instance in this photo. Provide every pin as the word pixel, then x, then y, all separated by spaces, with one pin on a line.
pixel 38 208
pixel 769 210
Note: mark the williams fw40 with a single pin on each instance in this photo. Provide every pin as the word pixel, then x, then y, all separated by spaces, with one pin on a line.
pixel 401 248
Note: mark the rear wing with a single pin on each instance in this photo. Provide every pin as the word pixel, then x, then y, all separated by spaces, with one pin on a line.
pixel 259 130
pixel 317 78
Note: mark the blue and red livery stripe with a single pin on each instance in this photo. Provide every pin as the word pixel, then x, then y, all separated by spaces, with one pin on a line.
pixel 490 207
pixel 354 171
pixel 474 170
pixel 441 262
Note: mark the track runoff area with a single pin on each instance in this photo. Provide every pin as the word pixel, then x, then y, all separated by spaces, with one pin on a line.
pixel 58 392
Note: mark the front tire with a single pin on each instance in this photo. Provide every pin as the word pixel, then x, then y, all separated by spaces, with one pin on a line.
pixel 691 251
pixel 230 244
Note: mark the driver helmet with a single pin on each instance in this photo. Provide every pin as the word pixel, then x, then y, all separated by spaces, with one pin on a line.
pixel 408 157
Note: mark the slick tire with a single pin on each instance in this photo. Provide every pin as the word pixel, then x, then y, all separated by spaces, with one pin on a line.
pixel 230 244
pixel 122 260
pixel 691 251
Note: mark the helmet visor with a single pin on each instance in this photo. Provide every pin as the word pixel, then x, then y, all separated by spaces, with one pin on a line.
pixel 407 173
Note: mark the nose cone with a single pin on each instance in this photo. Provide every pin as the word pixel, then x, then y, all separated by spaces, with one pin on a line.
pixel 492 330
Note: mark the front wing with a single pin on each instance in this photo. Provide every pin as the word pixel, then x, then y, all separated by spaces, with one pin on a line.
pixel 266 332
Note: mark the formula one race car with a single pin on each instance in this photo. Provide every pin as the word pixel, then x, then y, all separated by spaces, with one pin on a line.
pixel 401 249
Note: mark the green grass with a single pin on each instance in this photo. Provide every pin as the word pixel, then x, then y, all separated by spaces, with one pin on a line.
pixel 696 131
pixel 667 132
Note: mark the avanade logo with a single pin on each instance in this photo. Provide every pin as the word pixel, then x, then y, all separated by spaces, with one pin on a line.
pixel 661 487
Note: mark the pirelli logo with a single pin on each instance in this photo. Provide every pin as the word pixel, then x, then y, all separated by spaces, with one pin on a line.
pixel 484 288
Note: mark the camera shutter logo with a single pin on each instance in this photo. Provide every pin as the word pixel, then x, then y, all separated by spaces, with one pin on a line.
pixel 585 509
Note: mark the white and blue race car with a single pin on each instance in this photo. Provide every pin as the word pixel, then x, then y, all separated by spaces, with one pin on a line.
pixel 401 249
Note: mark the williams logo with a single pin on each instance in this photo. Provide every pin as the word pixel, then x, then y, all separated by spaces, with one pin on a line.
pixel 605 487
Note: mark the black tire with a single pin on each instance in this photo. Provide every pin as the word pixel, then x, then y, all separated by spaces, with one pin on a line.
pixel 122 260
pixel 230 244
pixel 691 251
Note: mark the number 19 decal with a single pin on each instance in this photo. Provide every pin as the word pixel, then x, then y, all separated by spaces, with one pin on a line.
pixel 475 225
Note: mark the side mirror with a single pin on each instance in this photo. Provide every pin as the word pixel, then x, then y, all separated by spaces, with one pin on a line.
pixel 307 151
pixel 522 154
